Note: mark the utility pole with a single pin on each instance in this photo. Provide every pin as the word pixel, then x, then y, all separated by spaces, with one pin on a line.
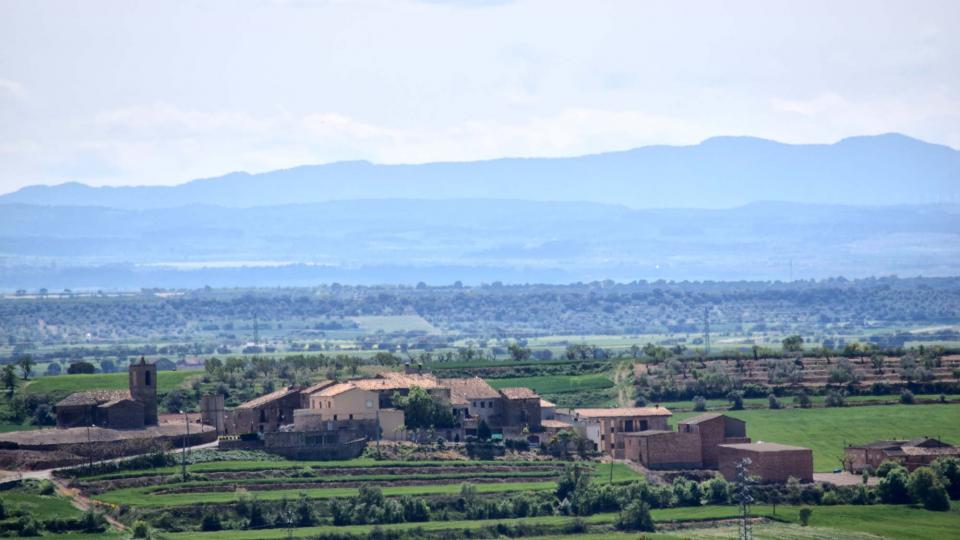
pixel 744 498
pixel 706 330
pixel 183 453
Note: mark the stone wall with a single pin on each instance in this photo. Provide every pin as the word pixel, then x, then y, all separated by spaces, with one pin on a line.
pixel 769 466
pixel 663 450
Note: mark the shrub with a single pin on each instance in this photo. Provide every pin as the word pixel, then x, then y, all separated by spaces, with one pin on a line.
pixel 736 400
pixel 636 517
pixel 141 529
pixel 28 526
pixel 210 522
pixel 577 526
pixel 893 486
pixel 805 514
pixel 886 467
pixel 906 397
pixel 836 398
pixel 46 487
pixel 925 488
pixel 716 490
pixel 773 402
pixel 948 471
pixel 699 404
pixel 802 400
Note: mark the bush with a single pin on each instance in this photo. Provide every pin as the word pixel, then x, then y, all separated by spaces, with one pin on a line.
pixel 699 404
pixel 46 487
pixel 141 529
pixel 925 488
pixel 802 400
pixel 577 526
pixel 884 468
pixel 836 398
pixel 716 490
pixel 210 522
pixel 736 400
pixel 636 517
pixel 773 402
pixel 28 526
pixel 893 486
pixel 948 471
pixel 906 397
pixel 805 514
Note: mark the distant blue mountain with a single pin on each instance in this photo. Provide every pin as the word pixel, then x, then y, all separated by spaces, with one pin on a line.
pixel 721 172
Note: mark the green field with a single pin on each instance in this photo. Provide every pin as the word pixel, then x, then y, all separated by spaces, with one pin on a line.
pixel 787 401
pixel 555 384
pixel 61 385
pixel 826 523
pixel 826 430
pixel 394 323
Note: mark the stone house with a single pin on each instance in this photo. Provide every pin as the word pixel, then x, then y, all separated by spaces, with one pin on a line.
pixel 133 408
pixel 521 411
pixel 602 425
pixel 472 400
pixel 770 462
pixel 263 414
pixel 910 453
pixel 663 449
pixel 714 429
pixel 347 402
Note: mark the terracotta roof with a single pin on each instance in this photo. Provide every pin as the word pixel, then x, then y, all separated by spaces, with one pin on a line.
pixel 623 411
pixel 93 397
pixel 336 389
pixel 924 451
pixel 544 404
pixel 464 390
pixel 267 398
pixel 555 424
pixel 763 447
pixel 316 387
pixel 392 380
pixel 519 393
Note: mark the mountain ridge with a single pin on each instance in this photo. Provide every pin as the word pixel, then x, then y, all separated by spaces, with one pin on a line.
pixel 719 172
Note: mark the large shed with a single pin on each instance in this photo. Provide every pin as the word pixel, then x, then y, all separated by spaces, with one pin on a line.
pixel 770 462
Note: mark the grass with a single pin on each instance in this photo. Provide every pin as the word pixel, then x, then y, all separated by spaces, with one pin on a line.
pixel 827 430
pixel 787 401
pixel 555 384
pixel 145 497
pixel 63 385
pixel 826 523
pixel 40 506
pixel 394 323
pixel 266 465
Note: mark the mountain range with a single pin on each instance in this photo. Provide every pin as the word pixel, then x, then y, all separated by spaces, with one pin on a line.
pixel 720 172
pixel 729 208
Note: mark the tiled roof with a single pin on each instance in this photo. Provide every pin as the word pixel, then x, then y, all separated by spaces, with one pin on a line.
pixel 519 392
pixel 544 404
pixel 555 424
pixel 392 380
pixel 116 402
pixel 623 411
pixel 336 389
pixel 764 447
pixel 464 390
pixel 648 433
pixel 267 398
pixel 316 387
pixel 93 397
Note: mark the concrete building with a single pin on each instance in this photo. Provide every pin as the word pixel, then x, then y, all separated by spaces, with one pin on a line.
pixel 714 429
pixel 133 408
pixel 910 453
pixel 602 425
pixel 770 462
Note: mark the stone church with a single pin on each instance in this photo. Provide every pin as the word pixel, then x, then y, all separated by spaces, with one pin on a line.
pixel 115 409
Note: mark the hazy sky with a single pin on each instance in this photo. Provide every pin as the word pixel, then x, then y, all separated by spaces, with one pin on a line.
pixel 114 93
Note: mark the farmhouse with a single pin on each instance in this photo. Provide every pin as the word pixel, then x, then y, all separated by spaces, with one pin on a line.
pixel 771 462
pixel 911 453
pixel 712 430
pixel 602 425
pixel 346 402
pixel 133 408
pixel 263 414
pixel 474 400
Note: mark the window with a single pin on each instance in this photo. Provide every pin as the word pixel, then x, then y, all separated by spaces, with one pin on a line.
pixel 483 404
pixel 643 425
pixel 334 417
pixel 351 417
pixel 490 404
pixel 147 378
pixel 369 403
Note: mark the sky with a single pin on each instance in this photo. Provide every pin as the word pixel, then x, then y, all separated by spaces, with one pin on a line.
pixel 128 92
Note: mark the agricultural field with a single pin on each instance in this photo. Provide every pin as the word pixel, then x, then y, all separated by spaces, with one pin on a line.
pixel 67 384
pixel 826 430
pixel 36 505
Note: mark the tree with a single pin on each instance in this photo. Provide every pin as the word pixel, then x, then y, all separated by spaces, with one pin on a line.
pixel 699 404
pixel 736 400
pixel 9 376
pixel 793 343
pixel 636 517
pixel 836 398
pixel 893 486
pixel 174 401
pixel 802 400
pixel 54 368
pixel 925 488
pixel 483 430
pixel 773 402
pixel 906 397
pixel 805 514
pixel 877 361
pixel 81 367
pixel 948 471
pixel 518 352
pixel 107 366
pixel 210 521
pixel 422 410
pixel 26 364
